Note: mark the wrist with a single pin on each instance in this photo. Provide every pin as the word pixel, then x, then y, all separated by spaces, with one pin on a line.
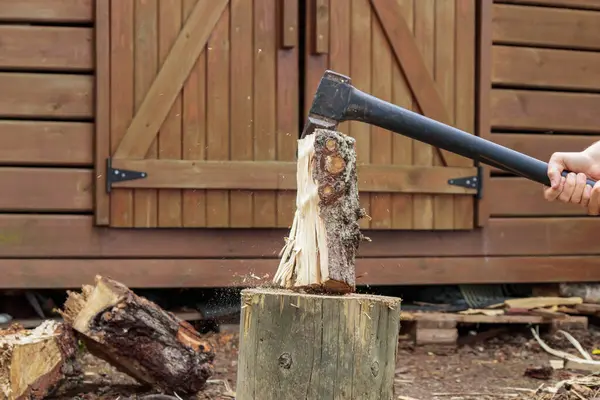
pixel 593 152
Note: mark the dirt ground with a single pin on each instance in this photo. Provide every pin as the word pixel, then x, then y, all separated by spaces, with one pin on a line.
pixel 492 369
pixel 483 369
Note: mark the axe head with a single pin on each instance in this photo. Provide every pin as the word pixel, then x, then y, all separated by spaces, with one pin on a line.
pixel 330 103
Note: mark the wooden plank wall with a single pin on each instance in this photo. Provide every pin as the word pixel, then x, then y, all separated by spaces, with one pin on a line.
pixel 545 95
pixel 46 106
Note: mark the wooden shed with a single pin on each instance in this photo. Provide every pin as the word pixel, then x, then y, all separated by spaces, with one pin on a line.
pixel 154 140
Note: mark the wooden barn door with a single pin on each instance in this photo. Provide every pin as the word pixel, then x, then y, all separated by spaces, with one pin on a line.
pixel 418 54
pixel 197 113
pixel 198 108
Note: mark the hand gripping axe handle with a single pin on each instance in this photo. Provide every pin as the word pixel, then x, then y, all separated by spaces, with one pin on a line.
pixel 336 100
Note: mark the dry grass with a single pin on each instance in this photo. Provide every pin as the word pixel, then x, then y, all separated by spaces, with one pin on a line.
pixel 581 388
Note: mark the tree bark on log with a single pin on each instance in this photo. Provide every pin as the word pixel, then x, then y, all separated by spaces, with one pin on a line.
pixel 139 338
pixel 33 363
pixel 324 238
pixel 312 347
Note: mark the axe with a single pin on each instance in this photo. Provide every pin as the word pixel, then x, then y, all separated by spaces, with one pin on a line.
pixel 336 100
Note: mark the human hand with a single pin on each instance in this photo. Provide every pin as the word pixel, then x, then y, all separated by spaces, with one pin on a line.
pixel 573 187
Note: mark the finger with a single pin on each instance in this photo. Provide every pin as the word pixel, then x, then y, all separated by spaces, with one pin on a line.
pixel 569 188
pixel 556 166
pixel 587 193
pixel 561 186
pixel 580 184
pixel 594 206
pixel 550 193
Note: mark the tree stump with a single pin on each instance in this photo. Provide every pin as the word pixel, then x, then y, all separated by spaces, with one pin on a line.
pixel 325 235
pixel 139 338
pixel 313 347
pixel 33 363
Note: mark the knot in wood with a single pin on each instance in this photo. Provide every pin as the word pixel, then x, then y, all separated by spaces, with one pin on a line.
pixel 375 368
pixel 329 194
pixel 285 361
pixel 334 165
pixel 331 144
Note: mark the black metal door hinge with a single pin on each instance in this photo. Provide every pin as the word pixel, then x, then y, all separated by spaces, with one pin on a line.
pixel 469 182
pixel 115 175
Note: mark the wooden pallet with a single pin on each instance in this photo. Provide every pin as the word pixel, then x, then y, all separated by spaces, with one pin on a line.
pixel 583 309
pixel 442 328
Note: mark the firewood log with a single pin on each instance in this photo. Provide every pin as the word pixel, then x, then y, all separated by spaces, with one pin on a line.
pixel 321 248
pixel 139 338
pixel 33 363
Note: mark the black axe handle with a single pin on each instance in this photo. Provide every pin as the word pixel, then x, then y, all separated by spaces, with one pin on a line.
pixel 336 100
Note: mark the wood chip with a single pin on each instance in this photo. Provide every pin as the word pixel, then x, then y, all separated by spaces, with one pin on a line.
pixel 544 372
pixel 541 302
pixel 475 311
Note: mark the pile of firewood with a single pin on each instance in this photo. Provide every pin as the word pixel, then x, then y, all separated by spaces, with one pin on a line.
pixel 131 333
